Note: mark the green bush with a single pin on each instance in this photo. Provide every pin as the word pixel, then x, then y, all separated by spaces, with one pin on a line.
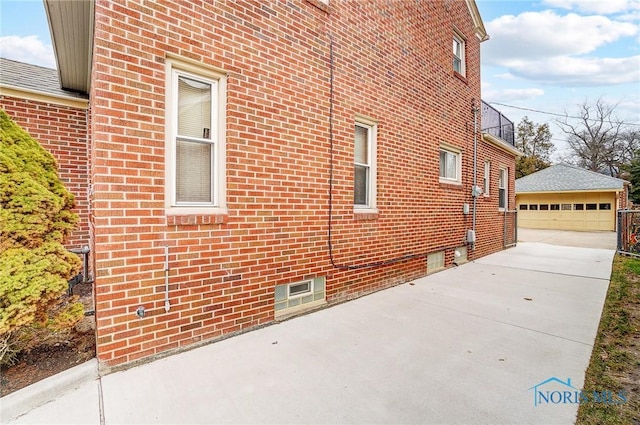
pixel 35 220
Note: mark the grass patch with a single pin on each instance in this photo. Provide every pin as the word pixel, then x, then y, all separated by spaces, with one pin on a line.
pixel 615 360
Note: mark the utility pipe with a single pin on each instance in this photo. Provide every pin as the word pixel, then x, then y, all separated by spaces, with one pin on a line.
pixel 167 306
pixel 474 192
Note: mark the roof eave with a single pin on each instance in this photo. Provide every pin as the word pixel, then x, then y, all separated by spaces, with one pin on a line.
pixel 40 96
pixel 540 192
pixel 501 144
pixel 71 24
pixel 481 32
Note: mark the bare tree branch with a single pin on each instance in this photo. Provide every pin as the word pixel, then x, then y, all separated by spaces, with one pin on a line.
pixel 599 140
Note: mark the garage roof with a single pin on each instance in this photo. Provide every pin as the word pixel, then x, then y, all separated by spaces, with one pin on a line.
pixel 20 75
pixel 565 178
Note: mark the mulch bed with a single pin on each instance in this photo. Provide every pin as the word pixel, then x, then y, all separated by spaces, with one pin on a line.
pixel 46 360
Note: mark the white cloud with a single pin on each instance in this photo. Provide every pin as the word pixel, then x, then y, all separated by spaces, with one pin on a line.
pixel 543 34
pixel 572 71
pixel 596 6
pixel 510 95
pixel 506 76
pixel 27 49
pixel 550 48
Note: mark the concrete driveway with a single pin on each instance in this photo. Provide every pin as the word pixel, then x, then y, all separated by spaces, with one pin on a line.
pixel 602 240
pixel 463 346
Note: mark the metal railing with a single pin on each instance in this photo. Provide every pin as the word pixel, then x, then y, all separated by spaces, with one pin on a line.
pixel 496 124
pixel 510 235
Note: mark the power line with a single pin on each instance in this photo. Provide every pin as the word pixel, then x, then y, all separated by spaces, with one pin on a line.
pixel 552 113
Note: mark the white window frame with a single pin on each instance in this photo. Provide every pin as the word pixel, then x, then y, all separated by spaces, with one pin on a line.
pixel 487 178
pixel 459 54
pixel 301 294
pixel 175 68
pixel 503 185
pixel 372 134
pixel 286 305
pixel 458 155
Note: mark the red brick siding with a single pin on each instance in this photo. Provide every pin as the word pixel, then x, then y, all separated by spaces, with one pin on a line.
pixel 392 63
pixel 623 198
pixel 61 130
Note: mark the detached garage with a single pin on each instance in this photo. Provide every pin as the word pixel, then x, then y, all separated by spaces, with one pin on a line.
pixel 569 198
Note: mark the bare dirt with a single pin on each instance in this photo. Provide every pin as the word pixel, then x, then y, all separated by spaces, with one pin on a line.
pixel 56 356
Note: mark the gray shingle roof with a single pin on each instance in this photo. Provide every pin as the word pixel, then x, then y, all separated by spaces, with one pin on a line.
pixel 32 77
pixel 563 177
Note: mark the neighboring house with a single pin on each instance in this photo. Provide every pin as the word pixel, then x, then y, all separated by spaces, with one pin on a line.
pixel 252 160
pixel 57 118
pixel 570 198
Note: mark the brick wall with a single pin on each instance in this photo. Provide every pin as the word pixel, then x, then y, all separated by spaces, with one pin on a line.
pixel 62 130
pixel 392 63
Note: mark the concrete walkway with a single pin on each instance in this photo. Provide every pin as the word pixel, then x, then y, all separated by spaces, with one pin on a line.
pixel 463 346
pixel 602 240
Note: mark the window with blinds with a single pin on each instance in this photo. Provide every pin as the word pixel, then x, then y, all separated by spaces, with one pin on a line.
pixel 362 166
pixel 450 165
pixel 458 54
pixel 364 173
pixel 195 140
pixel 502 189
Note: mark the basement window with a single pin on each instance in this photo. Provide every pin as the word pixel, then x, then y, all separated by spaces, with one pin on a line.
pixel 460 255
pixel 300 289
pixel 435 262
pixel 299 296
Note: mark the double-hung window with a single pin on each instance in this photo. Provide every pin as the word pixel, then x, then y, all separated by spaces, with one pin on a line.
pixel 364 181
pixel 449 165
pixel 502 189
pixel 487 177
pixel 458 54
pixel 195 148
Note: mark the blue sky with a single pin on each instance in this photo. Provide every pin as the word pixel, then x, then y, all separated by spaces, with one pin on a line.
pixel 545 55
pixel 552 55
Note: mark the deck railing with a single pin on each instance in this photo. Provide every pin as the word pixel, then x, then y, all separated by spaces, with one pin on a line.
pixel 496 124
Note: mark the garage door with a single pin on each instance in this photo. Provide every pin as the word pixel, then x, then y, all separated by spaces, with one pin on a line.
pixel 567 211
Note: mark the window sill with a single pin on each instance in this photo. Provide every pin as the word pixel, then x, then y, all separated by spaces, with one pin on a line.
pixel 365 214
pixel 196 219
pixel 302 308
pixel 460 77
pixel 448 184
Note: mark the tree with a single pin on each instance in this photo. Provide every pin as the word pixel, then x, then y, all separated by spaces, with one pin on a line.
pixel 35 219
pixel 534 141
pixel 633 170
pixel 599 141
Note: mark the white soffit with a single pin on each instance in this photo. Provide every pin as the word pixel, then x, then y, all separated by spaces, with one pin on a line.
pixel 71 26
